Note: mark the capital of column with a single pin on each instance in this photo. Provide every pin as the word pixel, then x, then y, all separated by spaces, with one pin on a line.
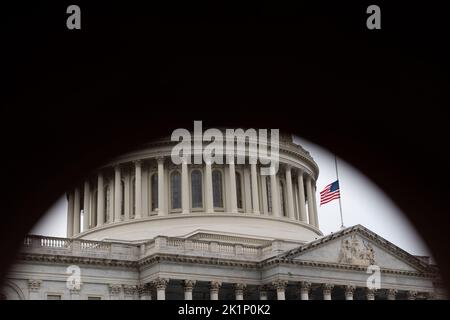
pixel 370 293
pixel 391 293
pixel 349 290
pixel 137 163
pixel 145 289
pixel 130 290
pixel 327 287
pixel 188 285
pixel 215 286
pixel 280 285
pixel 160 160
pixel 411 295
pixel 305 287
pixel 160 283
pixel 239 288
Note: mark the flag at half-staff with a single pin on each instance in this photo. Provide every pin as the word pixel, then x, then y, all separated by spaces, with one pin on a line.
pixel 330 193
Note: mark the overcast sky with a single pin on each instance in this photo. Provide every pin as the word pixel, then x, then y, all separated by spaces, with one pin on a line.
pixel 362 203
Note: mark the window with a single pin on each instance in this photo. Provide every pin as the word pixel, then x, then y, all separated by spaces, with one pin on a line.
pixel 53 297
pixel 269 194
pixel 196 189
pixel 282 199
pixel 122 197
pixel 217 189
pixel 94 298
pixel 239 191
pixel 175 190
pixel 154 191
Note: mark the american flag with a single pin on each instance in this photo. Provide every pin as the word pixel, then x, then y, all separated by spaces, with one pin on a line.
pixel 330 192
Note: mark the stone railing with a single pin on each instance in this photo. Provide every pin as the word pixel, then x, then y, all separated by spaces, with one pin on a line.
pixel 161 244
pixel 212 248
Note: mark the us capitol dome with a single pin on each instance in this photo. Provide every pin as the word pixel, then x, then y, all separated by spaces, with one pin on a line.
pixel 145 228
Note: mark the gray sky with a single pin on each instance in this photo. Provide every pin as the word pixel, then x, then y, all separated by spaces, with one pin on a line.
pixel 362 203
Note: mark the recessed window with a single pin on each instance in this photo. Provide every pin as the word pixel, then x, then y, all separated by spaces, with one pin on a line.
pixel 94 298
pixel 175 190
pixel 217 189
pixel 53 297
pixel 196 189
pixel 154 191
pixel 239 191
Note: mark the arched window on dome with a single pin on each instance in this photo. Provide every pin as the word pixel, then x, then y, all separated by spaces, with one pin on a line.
pixel 217 189
pixel 196 189
pixel 154 191
pixel 107 194
pixel 175 190
pixel 282 199
pixel 239 191
pixel 269 194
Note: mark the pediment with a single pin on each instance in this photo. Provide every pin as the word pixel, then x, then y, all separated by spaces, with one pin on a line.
pixel 360 247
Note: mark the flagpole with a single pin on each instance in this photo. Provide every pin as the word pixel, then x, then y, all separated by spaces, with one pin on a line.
pixel 340 203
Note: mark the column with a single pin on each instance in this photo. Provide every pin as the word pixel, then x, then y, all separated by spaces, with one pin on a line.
pixel 161 285
pixel 370 294
pixel 309 195
pixel 184 187
pixel 117 194
pixel 254 179
pixel 86 206
pixel 280 286
pixel 188 288
pixel 275 195
pixel 70 204
pixel 263 292
pixel 391 293
pixel 233 194
pixel 76 212
pixel 411 295
pixel 214 290
pixel 305 287
pixel 100 200
pixel 327 288
pixel 316 218
pixel 301 198
pixel 161 191
pixel 290 195
pixel 349 290
pixel 239 290
pixel 138 189
pixel 209 201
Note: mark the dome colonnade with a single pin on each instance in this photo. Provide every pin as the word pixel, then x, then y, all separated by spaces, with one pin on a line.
pixel 146 184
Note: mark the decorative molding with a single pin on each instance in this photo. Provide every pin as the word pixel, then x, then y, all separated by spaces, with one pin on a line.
pixel 34 285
